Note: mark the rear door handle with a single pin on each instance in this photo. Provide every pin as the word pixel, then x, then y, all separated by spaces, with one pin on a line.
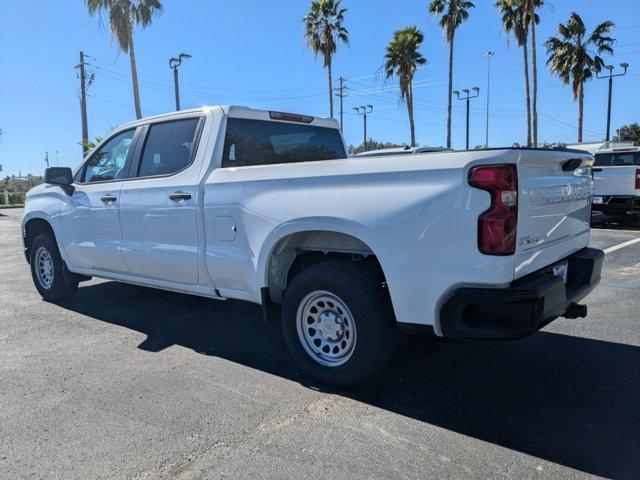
pixel 597 169
pixel 109 198
pixel 180 196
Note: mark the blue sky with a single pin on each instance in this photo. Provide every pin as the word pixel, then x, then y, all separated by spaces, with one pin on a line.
pixel 251 52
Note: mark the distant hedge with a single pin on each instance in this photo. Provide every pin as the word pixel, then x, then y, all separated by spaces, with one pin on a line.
pixel 14 198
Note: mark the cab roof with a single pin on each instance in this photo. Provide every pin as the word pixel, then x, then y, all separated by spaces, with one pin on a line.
pixel 236 111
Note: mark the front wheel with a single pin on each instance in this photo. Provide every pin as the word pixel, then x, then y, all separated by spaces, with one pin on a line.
pixel 47 270
pixel 338 324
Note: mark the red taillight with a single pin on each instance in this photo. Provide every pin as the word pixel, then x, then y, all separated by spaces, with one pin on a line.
pixel 497 225
pixel 637 178
pixel 290 117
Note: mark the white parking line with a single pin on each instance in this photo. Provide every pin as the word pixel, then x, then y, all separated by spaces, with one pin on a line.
pixel 616 230
pixel 621 245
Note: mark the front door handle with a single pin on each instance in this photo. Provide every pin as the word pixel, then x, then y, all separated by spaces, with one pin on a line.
pixel 597 169
pixel 180 196
pixel 109 198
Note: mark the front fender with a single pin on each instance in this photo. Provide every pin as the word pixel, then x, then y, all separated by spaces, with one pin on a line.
pixel 44 203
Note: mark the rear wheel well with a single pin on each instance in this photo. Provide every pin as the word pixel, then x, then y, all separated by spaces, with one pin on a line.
pixel 32 229
pixel 306 259
pixel 298 251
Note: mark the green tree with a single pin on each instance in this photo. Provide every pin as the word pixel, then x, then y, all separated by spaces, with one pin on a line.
pixel 123 16
pixel 323 30
pixel 372 145
pixel 454 12
pixel 516 21
pixel 402 59
pixel 628 133
pixel 575 56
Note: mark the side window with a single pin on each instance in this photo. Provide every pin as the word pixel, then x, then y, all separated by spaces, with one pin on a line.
pixel 108 162
pixel 169 147
pixel 625 159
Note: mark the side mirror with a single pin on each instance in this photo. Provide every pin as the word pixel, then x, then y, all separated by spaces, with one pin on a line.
pixel 61 176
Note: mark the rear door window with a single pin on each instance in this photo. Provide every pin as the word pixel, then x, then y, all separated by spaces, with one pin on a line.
pixel 258 142
pixel 617 159
pixel 169 147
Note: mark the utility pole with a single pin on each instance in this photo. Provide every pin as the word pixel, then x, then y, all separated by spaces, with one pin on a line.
pixel 486 135
pixel 57 159
pixel 83 104
pixel 467 97
pixel 363 110
pixel 46 158
pixel 174 63
pixel 341 96
pixel 610 76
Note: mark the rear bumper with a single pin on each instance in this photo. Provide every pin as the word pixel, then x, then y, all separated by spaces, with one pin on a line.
pixel 524 307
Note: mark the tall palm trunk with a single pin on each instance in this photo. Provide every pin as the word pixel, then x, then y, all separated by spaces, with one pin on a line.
pixel 534 59
pixel 580 110
pixel 134 75
pixel 527 90
pixel 330 88
pixel 410 110
pixel 450 93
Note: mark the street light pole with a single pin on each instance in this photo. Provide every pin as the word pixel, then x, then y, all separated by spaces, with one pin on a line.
pixel 610 76
pixel 486 135
pixel 467 97
pixel 363 110
pixel 174 63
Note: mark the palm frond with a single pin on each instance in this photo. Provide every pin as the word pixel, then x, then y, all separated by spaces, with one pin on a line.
pixel 323 28
pixel 571 57
pixel 123 15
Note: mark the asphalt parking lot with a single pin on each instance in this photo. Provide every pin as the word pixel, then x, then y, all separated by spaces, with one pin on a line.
pixel 129 382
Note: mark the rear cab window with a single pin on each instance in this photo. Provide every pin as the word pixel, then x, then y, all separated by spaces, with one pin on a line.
pixel 617 159
pixel 261 142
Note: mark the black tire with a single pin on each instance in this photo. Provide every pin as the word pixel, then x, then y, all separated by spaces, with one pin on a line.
pixel 58 288
pixel 368 303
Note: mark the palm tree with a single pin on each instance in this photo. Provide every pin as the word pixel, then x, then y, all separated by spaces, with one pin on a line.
pixel 516 20
pixel 123 17
pixel 456 12
pixel 574 56
pixel 323 32
pixel 402 59
pixel 531 7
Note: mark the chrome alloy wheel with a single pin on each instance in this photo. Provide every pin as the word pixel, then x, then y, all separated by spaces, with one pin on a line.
pixel 326 328
pixel 44 268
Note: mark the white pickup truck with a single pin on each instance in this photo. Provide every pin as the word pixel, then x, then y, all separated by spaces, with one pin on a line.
pixel 616 176
pixel 230 202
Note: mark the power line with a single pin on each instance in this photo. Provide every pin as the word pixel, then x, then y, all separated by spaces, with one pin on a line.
pixel 119 104
pixel 203 87
pixel 192 93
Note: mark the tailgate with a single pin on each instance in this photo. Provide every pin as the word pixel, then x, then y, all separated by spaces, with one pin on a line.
pixel 554 207
pixel 614 181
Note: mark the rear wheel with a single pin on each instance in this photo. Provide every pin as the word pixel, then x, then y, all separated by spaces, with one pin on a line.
pixel 338 324
pixel 47 270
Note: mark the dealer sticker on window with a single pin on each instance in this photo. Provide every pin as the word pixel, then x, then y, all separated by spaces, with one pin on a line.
pixel 560 270
pixel 597 200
